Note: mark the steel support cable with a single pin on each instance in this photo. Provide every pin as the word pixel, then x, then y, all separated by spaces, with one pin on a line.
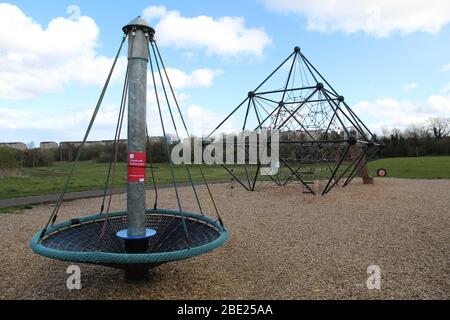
pixel 155 204
pixel 323 112
pixel 227 117
pixel 257 157
pixel 307 63
pixel 246 117
pixel 212 198
pixel 296 78
pixel 174 182
pixel 287 84
pixel 184 123
pixel 258 117
pixel 303 71
pixel 162 230
pixel 242 103
pixel 326 189
pixel 173 120
pixel 261 106
pixel 115 147
pixel 257 111
pixel 343 173
pixel 331 102
pixel 171 88
pixel 113 164
pixel 267 99
pixel 300 166
pixel 163 87
pixel 328 98
pixel 174 124
pixel 273 72
pixel 358 119
pixel 290 94
pixel 291 115
pixel 55 211
pixel 355 169
pixel 268 117
pixel 155 187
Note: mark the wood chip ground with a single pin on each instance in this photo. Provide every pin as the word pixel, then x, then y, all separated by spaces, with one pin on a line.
pixel 282 245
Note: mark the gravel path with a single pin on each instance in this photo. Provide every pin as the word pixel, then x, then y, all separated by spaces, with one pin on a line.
pixel 283 245
pixel 49 198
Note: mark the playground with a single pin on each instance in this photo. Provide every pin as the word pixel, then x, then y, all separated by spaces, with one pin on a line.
pixel 310 222
pixel 309 246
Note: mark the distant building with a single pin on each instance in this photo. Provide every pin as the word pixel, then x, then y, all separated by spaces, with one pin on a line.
pixel 67 149
pixel 48 145
pixel 14 145
pixel 89 143
pixel 156 140
pixel 352 132
pixel 66 144
pixel 109 142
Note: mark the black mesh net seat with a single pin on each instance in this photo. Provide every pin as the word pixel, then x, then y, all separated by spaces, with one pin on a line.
pixel 93 239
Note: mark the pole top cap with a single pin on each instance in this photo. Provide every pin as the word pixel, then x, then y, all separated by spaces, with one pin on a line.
pixel 139 24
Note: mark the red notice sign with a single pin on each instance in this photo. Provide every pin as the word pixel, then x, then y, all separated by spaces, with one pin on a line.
pixel 136 166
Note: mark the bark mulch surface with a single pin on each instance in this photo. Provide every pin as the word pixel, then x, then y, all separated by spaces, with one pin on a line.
pixel 283 245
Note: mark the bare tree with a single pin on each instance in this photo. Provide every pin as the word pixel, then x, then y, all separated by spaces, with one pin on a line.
pixel 439 127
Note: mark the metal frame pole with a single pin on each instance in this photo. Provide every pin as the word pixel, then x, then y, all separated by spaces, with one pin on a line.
pixel 137 109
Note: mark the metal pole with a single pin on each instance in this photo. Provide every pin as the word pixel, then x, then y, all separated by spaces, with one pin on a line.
pixel 137 100
pixel 136 237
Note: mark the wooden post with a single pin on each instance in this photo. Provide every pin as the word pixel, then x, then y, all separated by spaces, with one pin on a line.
pixel 362 170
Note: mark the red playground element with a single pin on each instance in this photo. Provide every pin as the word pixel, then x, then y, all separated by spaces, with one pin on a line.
pixel 382 172
pixel 136 166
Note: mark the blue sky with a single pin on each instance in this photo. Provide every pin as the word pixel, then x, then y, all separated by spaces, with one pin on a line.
pixel 390 59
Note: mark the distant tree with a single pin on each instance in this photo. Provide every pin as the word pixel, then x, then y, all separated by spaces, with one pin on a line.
pixel 385 132
pixel 9 162
pixel 396 135
pixel 31 145
pixel 439 127
pixel 415 132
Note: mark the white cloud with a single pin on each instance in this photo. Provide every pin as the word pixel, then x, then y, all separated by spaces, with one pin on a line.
pixel 38 126
pixel 437 104
pixel 203 121
pixel 154 12
pixel 391 113
pixel 35 60
pixel 410 87
pixel 379 18
pixel 224 36
pixel 198 78
pixel 41 59
pixel 199 120
pixel 446 88
pixel 446 68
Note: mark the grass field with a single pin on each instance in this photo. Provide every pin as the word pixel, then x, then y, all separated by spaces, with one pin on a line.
pixel 90 175
pixel 414 168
